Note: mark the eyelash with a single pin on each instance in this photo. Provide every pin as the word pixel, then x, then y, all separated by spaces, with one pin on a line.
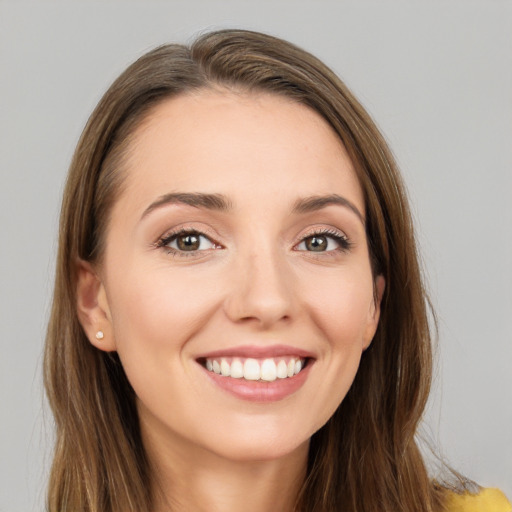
pixel 341 239
pixel 171 237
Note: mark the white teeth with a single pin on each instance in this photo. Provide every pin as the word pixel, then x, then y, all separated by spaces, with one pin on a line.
pixel 225 368
pixel 253 369
pixel 268 370
pixel 291 368
pixel 237 369
pixel 282 370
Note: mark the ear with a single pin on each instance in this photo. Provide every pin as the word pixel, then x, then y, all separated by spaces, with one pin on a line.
pixel 92 308
pixel 374 313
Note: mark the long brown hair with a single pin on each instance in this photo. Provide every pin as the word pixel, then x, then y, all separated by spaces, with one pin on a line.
pixel 366 457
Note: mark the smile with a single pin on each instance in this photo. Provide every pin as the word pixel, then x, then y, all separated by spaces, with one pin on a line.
pixel 252 369
pixel 258 373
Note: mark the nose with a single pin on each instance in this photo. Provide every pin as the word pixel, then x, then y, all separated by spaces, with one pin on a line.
pixel 261 290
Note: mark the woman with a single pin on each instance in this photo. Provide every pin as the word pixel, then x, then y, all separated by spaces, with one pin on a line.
pixel 239 319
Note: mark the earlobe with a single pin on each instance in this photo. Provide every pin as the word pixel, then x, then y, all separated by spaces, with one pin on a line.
pixel 92 308
pixel 373 320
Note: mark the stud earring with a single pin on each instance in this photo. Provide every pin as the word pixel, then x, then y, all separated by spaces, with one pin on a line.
pixel 99 335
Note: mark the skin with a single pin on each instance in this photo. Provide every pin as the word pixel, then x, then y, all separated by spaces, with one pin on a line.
pixel 253 281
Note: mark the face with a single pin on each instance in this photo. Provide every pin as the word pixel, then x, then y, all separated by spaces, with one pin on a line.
pixel 236 284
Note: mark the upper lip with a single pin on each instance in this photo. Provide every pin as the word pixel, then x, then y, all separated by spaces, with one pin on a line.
pixel 258 352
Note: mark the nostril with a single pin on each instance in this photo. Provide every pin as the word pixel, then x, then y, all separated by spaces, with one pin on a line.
pixel 262 296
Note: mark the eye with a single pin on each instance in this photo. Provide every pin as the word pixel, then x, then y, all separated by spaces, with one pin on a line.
pixel 324 242
pixel 187 241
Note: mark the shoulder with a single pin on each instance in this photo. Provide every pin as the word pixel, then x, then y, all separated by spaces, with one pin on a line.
pixel 487 500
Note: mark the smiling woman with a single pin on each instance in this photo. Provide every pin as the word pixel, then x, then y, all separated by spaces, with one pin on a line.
pixel 239 321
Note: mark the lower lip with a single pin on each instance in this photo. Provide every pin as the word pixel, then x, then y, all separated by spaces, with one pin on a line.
pixel 258 391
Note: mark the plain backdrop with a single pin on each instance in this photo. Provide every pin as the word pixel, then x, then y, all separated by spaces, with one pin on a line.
pixel 437 77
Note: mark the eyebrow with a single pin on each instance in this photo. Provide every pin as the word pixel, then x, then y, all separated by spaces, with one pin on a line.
pixel 220 202
pixel 311 204
pixel 196 199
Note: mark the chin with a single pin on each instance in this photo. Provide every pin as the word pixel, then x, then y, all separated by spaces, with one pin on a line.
pixel 261 450
pixel 258 439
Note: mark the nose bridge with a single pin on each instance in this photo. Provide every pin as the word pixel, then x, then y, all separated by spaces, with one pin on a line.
pixel 262 288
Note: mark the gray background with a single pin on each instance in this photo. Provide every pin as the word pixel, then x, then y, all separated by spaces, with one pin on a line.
pixel 437 77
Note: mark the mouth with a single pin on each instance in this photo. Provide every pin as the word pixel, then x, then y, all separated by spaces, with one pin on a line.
pixel 254 369
pixel 258 373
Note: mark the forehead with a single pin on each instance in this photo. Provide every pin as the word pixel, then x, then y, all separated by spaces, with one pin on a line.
pixel 248 146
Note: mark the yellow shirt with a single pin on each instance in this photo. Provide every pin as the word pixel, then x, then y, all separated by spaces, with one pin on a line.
pixel 487 500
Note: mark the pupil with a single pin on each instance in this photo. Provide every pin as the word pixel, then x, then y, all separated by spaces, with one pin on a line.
pixel 316 243
pixel 188 242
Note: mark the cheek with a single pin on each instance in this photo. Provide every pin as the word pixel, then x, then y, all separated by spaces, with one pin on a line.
pixel 155 313
pixel 342 306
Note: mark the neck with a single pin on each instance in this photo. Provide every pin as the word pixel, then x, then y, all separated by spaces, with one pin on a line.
pixel 188 477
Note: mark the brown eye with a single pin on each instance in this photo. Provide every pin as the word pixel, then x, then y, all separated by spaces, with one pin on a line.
pixel 316 243
pixel 190 242
pixel 324 242
pixel 187 242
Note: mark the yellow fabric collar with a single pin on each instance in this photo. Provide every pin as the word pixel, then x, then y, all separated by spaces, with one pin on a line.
pixel 487 500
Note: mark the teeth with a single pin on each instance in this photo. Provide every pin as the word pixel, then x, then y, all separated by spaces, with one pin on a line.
pixel 291 368
pixel 225 369
pixel 268 370
pixel 251 369
pixel 282 370
pixel 237 369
